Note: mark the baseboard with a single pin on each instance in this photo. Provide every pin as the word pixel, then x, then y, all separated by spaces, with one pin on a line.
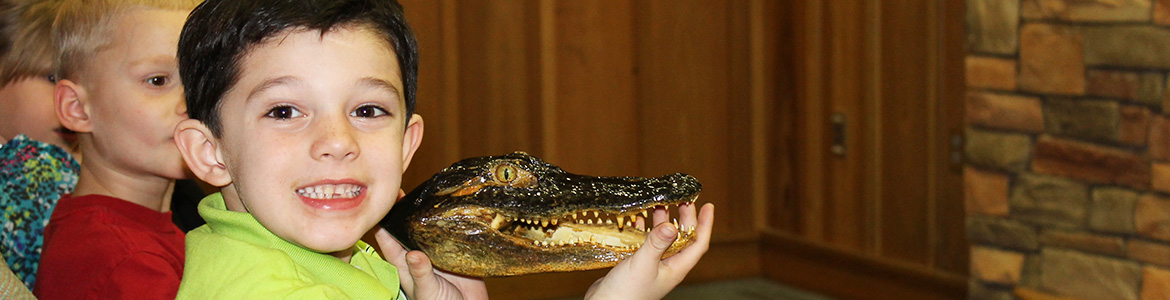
pixel 725 259
pixel 847 275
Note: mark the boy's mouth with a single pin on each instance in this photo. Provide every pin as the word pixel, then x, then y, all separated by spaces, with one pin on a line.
pixel 330 191
pixel 332 196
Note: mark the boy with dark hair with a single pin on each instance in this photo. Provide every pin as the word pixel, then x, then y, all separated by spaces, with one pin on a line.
pixel 302 111
pixel 118 89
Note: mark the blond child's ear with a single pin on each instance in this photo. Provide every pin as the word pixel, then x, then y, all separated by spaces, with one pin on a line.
pixel 200 151
pixel 411 139
pixel 72 106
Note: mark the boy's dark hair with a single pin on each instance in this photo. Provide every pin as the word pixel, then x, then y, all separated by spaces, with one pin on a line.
pixel 219 33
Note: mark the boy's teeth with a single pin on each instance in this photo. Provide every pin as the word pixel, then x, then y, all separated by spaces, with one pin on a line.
pixel 330 191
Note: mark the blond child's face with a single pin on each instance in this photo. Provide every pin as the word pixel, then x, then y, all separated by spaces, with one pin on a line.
pixel 136 96
pixel 28 109
pixel 313 136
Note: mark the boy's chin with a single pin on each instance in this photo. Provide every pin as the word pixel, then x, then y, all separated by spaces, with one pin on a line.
pixel 332 244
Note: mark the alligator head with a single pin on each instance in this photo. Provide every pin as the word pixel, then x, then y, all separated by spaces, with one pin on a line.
pixel 516 214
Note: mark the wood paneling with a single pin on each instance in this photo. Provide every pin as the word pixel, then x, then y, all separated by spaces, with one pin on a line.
pixel 738 93
pixel 845 274
pixel 893 69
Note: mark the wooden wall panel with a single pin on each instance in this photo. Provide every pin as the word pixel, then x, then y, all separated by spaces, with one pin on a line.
pixel 684 106
pixel 737 93
pixel 498 111
pixel 904 122
pixel 953 248
pixel 593 113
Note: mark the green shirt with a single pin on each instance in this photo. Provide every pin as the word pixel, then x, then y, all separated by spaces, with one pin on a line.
pixel 234 257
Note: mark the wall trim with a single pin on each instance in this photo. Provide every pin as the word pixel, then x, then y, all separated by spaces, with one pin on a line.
pixel 850 275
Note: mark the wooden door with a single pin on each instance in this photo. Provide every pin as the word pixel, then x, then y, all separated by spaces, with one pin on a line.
pixel 876 193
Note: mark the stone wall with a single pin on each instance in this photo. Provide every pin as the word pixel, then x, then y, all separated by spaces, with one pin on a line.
pixel 1068 146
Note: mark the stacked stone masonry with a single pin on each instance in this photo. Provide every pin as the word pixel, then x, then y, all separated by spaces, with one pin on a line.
pixel 1067 182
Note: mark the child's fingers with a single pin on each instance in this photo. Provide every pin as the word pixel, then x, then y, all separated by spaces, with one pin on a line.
pixel 661 215
pixel 650 254
pixel 686 215
pixel 422 275
pixel 391 249
pixel 686 259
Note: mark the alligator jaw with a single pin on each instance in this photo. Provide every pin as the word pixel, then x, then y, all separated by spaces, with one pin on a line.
pixel 540 244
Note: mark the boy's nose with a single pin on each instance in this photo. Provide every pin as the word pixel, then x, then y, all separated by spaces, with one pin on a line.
pixel 335 140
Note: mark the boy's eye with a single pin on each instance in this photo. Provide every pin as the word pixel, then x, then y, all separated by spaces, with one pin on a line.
pixel 284 112
pixel 369 111
pixel 51 78
pixel 158 80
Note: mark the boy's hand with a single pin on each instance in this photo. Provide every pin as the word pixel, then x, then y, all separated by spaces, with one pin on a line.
pixel 420 280
pixel 645 275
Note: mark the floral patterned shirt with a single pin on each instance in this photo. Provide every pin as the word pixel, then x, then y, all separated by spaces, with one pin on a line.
pixel 33 176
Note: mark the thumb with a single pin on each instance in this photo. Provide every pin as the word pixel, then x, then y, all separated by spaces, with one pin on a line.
pixel 659 239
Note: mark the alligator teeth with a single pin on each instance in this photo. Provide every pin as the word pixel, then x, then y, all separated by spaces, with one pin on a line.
pixel 544 223
pixel 590 221
pixel 554 221
pixel 595 214
pixel 498 220
pixel 645 214
pixel 620 223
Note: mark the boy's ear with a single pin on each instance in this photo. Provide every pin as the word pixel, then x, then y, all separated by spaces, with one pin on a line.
pixel 72 106
pixel 200 151
pixel 411 139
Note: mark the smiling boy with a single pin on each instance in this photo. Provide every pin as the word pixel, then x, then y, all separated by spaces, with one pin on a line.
pixel 303 112
pixel 306 123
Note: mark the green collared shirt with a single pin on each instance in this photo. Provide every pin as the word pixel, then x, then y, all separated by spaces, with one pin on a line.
pixel 234 257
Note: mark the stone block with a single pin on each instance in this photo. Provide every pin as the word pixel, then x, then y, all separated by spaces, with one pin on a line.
pixel 1162 12
pixel 1011 112
pixel 986 192
pixel 1149 252
pixel 1049 200
pixel 1111 210
pixel 996 266
pixel 1087 10
pixel 1083 119
pixel 992 26
pixel 1090 162
pixel 1159 140
pixel 1023 293
pixel 1084 241
pixel 1152 90
pixel 1000 151
pixel 1130 46
pixel 1152 217
pixel 1112 84
pixel 1075 274
pixel 978 290
pixel 1160 177
pixel 1155 283
pixel 1135 125
pixel 1002 232
pixel 1140 87
pixel 991 73
pixel 1051 59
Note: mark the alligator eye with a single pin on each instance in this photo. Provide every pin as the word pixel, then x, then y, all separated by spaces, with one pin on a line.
pixel 506 173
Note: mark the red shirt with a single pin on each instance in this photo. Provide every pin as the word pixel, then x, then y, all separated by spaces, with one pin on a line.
pixel 99 247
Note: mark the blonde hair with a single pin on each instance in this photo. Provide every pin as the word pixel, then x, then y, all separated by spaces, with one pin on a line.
pixel 83 28
pixel 26 43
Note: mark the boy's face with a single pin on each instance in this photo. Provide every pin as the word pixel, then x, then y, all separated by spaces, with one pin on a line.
pixel 28 109
pixel 313 136
pixel 136 97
